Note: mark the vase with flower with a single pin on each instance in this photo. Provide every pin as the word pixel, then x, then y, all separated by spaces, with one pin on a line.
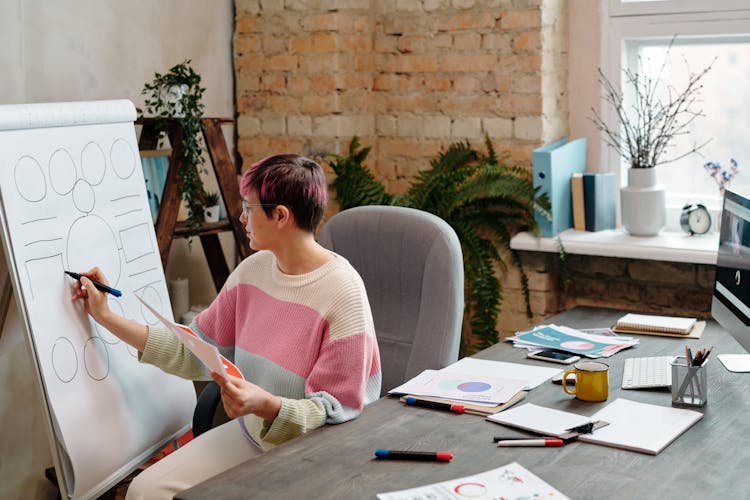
pixel 647 122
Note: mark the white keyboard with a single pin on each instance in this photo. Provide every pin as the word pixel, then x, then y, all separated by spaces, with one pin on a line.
pixel 647 373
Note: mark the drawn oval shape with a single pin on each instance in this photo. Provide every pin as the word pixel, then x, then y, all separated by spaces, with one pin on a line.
pixel 96 358
pixel 64 359
pixel 123 159
pixel 93 163
pixel 83 196
pixel 151 297
pixel 29 178
pixel 62 172
pixel 78 255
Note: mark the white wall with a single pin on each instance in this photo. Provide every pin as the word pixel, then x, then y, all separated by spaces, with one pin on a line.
pixel 87 50
pixel 584 17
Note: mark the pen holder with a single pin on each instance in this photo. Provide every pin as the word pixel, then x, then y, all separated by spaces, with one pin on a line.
pixel 689 383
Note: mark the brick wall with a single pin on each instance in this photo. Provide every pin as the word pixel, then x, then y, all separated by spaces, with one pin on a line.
pixel 407 76
pixel 629 284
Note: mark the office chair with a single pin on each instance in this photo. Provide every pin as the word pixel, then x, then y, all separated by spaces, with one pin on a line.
pixel 412 267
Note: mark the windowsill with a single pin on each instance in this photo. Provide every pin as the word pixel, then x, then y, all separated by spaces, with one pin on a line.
pixel 667 246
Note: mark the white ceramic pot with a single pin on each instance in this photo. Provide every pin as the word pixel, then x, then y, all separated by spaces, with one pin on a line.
pixel 174 95
pixel 211 214
pixel 643 203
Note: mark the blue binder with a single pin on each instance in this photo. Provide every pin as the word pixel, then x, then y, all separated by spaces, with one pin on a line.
pixel 553 165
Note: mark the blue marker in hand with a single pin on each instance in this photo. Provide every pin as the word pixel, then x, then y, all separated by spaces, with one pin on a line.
pixel 97 284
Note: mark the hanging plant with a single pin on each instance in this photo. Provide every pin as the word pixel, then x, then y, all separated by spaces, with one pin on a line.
pixel 177 95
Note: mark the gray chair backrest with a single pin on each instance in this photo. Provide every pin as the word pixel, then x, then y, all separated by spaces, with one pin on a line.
pixel 412 267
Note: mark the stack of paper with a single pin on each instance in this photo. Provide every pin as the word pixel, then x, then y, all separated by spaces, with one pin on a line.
pixel 506 383
pixel 563 338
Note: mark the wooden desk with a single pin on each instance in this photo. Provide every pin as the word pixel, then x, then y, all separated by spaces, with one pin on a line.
pixel 711 460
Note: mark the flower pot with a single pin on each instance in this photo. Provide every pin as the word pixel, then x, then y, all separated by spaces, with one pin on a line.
pixel 643 203
pixel 212 213
pixel 173 95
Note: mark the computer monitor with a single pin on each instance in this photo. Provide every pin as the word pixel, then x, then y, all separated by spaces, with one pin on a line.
pixel 730 305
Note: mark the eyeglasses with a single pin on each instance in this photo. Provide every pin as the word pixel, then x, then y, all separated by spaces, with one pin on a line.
pixel 246 207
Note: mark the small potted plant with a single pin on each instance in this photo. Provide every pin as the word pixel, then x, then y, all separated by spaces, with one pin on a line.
pixel 646 125
pixel 176 95
pixel 212 207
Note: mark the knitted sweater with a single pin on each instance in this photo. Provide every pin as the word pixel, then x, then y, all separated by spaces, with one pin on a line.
pixel 308 339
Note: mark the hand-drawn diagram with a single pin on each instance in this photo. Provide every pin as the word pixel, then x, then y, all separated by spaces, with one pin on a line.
pixel 74 198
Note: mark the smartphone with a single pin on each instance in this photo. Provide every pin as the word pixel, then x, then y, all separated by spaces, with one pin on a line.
pixel 554 356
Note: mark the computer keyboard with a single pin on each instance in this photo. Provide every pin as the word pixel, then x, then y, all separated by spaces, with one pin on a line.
pixel 647 373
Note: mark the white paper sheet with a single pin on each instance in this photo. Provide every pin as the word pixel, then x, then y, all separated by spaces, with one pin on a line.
pixel 539 419
pixel 73 197
pixel 506 482
pixel 204 351
pixel 461 387
pixel 534 375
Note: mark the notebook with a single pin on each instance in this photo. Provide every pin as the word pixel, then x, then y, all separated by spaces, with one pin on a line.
pixel 474 408
pixel 640 427
pixel 634 426
pixel 639 323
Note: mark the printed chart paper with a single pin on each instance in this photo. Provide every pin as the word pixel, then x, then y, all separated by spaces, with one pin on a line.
pixel 511 481
pixel 461 387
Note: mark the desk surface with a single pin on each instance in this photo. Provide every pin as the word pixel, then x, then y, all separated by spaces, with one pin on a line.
pixel 711 460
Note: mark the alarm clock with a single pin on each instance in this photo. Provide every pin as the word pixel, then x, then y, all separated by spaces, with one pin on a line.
pixel 695 219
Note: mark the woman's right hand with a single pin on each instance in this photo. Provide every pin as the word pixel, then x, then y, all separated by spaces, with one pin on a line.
pixel 94 300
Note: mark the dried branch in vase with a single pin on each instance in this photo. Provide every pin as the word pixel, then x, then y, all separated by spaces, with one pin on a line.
pixel 649 120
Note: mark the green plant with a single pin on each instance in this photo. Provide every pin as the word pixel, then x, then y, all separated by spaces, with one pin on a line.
pixel 176 95
pixel 212 199
pixel 484 201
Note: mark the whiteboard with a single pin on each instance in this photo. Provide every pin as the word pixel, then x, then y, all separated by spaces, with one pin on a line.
pixel 73 197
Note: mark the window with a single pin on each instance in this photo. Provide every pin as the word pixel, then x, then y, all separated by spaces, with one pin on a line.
pixel 637 35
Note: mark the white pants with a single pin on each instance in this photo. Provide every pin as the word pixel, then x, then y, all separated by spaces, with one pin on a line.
pixel 209 454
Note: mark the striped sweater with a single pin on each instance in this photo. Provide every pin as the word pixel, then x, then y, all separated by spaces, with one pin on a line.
pixel 308 339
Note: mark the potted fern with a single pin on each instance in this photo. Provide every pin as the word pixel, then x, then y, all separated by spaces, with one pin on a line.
pixel 484 201
pixel 177 95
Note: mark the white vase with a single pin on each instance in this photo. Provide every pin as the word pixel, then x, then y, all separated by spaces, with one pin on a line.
pixel 211 214
pixel 173 95
pixel 643 203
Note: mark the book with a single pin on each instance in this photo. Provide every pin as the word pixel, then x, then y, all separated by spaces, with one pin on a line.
pixel 509 481
pixel 474 408
pixel 640 427
pixel 552 167
pixel 637 323
pixel 576 194
pixel 599 196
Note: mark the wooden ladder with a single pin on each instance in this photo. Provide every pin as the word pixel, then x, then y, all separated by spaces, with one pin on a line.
pixel 167 226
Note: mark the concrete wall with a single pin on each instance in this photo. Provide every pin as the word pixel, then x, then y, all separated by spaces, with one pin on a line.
pixel 88 50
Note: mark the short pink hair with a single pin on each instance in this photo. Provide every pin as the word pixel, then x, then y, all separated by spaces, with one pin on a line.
pixel 291 180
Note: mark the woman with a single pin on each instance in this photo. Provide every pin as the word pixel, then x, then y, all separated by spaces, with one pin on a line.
pixel 293 317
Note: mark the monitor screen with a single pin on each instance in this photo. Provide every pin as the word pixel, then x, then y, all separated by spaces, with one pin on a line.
pixel 730 305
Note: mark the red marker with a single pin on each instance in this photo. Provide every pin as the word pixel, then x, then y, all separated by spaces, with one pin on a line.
pixel 531 442
pixel 422 456
pixel 412 401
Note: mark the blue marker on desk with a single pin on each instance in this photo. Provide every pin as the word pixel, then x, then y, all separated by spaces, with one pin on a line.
pixel 97 284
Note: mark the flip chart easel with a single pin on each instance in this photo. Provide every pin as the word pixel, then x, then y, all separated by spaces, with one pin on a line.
pixel 73 197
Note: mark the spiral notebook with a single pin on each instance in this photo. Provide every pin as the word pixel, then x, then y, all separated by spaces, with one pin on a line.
pixel 646 323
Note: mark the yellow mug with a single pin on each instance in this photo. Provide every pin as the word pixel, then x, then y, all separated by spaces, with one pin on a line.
pixel 592 381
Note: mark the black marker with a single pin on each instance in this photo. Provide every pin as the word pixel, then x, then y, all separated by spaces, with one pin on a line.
pixel 98 285
pixel 424 456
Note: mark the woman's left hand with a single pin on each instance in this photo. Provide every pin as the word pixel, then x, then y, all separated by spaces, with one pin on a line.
pixel 241 397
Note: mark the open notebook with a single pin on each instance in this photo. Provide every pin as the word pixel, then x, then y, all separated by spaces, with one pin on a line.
pixel 632 425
